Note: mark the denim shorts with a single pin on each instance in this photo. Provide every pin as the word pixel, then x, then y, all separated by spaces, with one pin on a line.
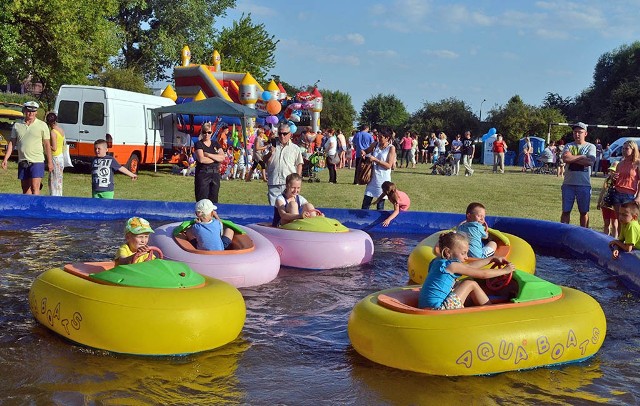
pixel 620 198
pixel 581 194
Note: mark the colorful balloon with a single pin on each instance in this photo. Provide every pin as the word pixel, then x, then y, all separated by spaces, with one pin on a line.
pixel 294 117
pixel 266 96
pixel 272 120
pixel 273 107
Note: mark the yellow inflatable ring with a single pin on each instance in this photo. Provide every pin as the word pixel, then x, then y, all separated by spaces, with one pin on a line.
pixel 144 321
pixel 476 340
pixel 514 248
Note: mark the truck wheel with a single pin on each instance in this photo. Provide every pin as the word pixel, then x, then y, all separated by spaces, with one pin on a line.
pixel 133 163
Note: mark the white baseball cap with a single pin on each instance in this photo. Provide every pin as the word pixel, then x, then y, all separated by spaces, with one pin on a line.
pixel 205 206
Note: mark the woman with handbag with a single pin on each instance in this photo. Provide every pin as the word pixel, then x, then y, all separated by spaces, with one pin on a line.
pixel 58 144
pixel 333 158
pixel 382 156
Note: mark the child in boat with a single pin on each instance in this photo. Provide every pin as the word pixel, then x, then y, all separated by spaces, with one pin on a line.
pixel 136 233
pixel 476 230
pixel 629 230
pixel 440 290
pixel 290 205
pixel 208 231
pixel 398 198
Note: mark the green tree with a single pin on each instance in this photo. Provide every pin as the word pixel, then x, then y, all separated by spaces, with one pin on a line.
pixel 125 79
pixel 246 47
pixel 337 111
pixel 55 42
pixel 612 98
pixel 384 111
pixel 450 115
pixel 153 33
pixel 517 119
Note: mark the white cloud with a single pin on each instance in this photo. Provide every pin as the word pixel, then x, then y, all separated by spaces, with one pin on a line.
pixel 255 9
pixel 354 38
pixel 441 53
pixel 458 14
pixel 389 53
pixel 545 33
pixel 339 59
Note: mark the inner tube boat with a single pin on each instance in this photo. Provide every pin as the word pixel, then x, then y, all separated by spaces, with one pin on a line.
pixel 317 243
pixel 536 324
pixel 157 307
pixel 513 248
pixel 250 260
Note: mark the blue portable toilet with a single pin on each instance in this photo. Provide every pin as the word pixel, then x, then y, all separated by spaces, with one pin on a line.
pixel 510 158
pixel 538 145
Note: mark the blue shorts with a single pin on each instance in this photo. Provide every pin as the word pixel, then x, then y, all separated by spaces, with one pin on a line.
pixel 225 241
pixel 581 194
pixel 30 170
pixel 620 198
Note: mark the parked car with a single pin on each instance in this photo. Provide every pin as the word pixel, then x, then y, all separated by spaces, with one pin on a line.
pixel 615 149
pixel 9 113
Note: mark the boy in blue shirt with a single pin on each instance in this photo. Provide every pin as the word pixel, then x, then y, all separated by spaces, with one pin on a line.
pixel 208 231
pixel 476 230
pixel 102 168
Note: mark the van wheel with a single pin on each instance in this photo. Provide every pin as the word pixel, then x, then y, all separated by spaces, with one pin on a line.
pixel 133 163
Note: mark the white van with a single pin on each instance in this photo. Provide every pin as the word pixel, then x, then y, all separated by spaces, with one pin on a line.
pixel 124 119
pixel 615 149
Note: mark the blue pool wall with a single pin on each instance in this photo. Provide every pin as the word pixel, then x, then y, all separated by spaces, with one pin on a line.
pixel 552 237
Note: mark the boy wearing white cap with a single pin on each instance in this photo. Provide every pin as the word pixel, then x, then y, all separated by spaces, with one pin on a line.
pixel 208 231
pixel 136 232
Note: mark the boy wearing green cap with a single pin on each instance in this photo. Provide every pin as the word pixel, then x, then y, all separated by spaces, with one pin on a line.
pixel 136 233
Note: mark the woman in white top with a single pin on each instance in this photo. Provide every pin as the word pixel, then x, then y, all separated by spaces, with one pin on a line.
pixel 342 148
pixel 383 155
pixel 333 159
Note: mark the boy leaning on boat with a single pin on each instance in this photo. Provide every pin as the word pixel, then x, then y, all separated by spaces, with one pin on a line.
pixel 629 233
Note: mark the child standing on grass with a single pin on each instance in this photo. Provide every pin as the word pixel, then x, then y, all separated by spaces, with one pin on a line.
pixel 609 215
pixel 477 230
pixel 399 199
pixel 102 169
pixel 440 290
pixel 629 230
pixel 136 234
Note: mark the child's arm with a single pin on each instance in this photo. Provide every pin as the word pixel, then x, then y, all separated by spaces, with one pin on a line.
pixel 127 172
pixel 394 214
pixel 378 198
pixel 475 270
pixel 616 246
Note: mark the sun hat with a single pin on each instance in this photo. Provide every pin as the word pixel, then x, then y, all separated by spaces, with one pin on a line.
pixel 205 206
pixel 138 225
pixel 579 124
pixel 31 106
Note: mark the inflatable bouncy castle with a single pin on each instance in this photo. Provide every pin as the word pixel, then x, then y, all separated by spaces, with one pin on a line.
pixel 195 82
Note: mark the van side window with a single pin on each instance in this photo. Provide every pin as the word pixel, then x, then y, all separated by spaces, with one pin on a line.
pixel 68 112
pixel 93 114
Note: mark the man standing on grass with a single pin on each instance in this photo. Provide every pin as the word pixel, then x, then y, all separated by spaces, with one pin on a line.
pixel 32 139
pixel 282 160
pixel 468 150
pixel 578 157
pixel 361 141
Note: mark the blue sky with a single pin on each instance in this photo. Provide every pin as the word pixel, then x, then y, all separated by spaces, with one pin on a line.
pixel 426 51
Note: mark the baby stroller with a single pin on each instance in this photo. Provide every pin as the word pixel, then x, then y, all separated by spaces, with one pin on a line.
pixel 443 165
pixel 545 164
pixel 314 164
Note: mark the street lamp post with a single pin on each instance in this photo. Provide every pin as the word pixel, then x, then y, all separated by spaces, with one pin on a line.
pixel 483 100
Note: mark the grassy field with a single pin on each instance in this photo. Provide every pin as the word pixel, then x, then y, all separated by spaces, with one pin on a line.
pixel 513 194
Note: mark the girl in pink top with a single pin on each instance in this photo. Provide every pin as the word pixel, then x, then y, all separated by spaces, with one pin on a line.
pixel 627 177
pixel 399 199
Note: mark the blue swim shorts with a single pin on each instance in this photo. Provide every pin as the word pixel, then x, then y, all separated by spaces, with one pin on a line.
pixel 620 198
pixel 581 194
pixel 30 170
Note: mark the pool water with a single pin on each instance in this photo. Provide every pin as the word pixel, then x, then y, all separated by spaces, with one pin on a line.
pixel 294 348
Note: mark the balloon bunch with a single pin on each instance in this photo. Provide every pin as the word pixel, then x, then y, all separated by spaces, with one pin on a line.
pixel 489 133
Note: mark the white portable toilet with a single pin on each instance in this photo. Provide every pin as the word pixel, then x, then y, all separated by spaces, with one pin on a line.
pixel 487 150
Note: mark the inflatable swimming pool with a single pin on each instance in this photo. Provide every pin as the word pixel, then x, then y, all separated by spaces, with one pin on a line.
pixel 543 324
pixel 514 248
pixel 250 260
pixel 114 309
pixel 327 247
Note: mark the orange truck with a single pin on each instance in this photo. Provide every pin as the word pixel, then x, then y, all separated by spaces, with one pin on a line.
pixel 124 119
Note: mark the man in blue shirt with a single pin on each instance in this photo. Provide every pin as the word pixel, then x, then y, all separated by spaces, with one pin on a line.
pixel 361 141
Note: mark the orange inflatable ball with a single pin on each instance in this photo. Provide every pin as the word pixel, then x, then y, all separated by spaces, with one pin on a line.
pixel 273 107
